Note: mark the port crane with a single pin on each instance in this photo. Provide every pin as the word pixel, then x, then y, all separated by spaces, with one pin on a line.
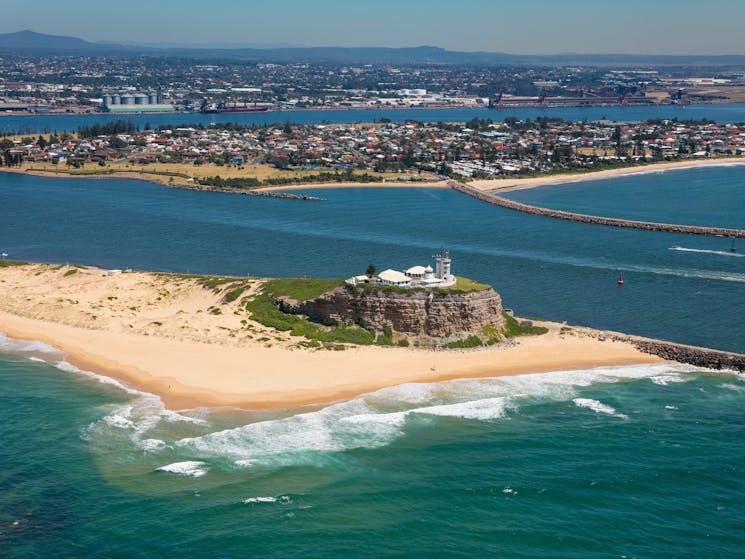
pixel 496 101
pixel 542 98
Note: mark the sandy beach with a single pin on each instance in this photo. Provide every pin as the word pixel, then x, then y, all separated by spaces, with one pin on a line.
pixel 173 336
pixel 492 185
pixel 508 184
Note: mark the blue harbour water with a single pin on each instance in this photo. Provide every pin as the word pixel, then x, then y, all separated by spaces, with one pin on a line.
pixel 723 113
pixel 642 461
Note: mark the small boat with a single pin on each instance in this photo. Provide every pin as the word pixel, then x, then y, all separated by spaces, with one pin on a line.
pixel 732 247
pixel 3 255
pixel 620 278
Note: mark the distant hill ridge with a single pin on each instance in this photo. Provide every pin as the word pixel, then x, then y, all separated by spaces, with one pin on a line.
pixel 40 44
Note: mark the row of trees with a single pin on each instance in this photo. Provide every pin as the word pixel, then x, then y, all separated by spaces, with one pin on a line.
pixel 108 129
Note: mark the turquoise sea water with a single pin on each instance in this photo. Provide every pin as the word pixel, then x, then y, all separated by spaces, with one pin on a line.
pixel 622 462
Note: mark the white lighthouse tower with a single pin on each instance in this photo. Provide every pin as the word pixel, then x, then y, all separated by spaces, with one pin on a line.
pixel 442 267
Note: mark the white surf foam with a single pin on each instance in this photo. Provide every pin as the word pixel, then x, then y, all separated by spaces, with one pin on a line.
pixel 259 500
pixel 597 407
pixel 378 418
pixel 26 347
pixel 664 380
pixel 149 445
pixel 732 387
pixel 190 468
pixel 282 500
pixel 489 408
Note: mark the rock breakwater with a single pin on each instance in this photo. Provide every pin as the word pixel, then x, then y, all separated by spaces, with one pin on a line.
pixel 593 219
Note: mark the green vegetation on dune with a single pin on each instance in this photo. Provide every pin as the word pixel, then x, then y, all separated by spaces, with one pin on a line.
pixel 264 311
pixel 466 343
pixel 513 328
pixel 9 263
pixel 300 289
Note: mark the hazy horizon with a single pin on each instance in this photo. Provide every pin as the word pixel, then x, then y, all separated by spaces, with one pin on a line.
pixel 679 27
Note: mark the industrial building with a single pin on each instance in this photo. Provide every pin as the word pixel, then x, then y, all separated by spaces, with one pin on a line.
pixel 136 103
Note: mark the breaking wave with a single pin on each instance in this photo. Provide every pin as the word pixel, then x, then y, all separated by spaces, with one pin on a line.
pixel 194 442
pixel 189 468
pixel 597 407
pixel 379 418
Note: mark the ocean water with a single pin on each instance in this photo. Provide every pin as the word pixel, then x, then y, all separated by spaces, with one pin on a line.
pixel 621 462
pixel 722 113
pixel 642 461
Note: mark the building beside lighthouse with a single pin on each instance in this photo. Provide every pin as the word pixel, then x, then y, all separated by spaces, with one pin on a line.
pixel 414 277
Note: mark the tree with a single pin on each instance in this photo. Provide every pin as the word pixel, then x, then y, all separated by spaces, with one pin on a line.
pixel 370 272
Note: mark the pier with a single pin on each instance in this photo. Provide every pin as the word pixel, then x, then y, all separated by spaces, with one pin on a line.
pixel 594 219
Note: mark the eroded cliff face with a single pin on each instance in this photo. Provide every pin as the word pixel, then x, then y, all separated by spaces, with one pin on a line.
pixel 416 312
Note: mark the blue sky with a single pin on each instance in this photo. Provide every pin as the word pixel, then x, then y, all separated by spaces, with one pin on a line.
pixel 517 26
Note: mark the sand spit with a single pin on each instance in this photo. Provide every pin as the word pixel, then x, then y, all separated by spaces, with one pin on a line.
pixel 177 336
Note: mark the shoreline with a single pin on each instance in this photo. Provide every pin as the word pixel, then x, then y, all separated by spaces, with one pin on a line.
pixel 162 180
pixel 327 108
pixel 511 184
pixel 156 332
pixel 484 185
pixel 183 385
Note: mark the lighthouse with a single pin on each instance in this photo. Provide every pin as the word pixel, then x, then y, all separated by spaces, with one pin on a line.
pixel 442 266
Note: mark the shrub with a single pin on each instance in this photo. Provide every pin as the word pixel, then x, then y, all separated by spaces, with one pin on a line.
pixel 513 328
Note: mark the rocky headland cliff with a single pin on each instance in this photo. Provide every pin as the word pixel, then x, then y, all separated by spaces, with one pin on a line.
pixel 416 312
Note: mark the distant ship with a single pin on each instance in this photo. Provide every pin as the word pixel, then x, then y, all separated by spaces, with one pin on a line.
pixel 233 108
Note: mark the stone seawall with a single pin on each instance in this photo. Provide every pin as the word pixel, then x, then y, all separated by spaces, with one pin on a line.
pixel 692 355
pixel 593 219
pixel 416 312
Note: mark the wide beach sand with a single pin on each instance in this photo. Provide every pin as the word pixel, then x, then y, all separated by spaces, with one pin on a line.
pixel 507 184
pixel 159 333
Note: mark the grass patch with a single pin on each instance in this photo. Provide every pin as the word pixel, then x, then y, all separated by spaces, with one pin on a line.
pixel 71 272
pixel 491 334
pixel 461 286
pixel 235 292
pixel 264 311
pixel 513 328
pixel 466 285
pixel 9 263
pixel 213 282
pixel 466 343
pixel 300 289
pixel 386 338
